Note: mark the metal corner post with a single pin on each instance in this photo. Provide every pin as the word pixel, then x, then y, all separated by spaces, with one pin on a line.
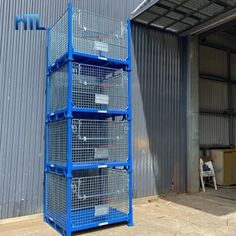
pixel 46 120
pixel 47 73
pixel 70 61
pixel 69 226
pixel 69 175
pixel 130 223
pixel 69 97
pixel 70 32
pixel 69 116
pixel 192 115
pixel 47 96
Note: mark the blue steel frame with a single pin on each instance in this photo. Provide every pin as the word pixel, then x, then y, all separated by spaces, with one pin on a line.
pixel 71 113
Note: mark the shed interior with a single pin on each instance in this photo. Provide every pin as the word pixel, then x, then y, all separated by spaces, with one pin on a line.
pixel 209 30
pixel 217 101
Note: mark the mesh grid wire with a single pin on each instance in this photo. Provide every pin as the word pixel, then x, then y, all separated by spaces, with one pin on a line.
pixel 57 142
pixel 58 89
pixel 93 141
pixel 100 36
pixel 56 205
pixel 99 141
pixel 99 198
pixel 99 87
pixel 59 38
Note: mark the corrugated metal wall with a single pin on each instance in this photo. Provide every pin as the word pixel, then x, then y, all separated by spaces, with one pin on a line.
pixel 214 95
pixel 213 130
pixel 233 63
pixel 159 118
pixel 159 105
pixel 213 61
pixel 233 78
pixel 216 126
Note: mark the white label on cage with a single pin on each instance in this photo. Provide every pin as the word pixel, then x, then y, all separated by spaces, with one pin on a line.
pixel 101 210
pixel 102 58
pixel 102 166
pixel 75 70
pixel 118 72
pixel 108 76
pixel 101 153
pixel 100 46
pixel 101 224
pixel 101 99
pixel 101 111
pixel 123 29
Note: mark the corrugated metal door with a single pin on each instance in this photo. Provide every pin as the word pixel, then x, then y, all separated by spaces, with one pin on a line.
pixel 159 113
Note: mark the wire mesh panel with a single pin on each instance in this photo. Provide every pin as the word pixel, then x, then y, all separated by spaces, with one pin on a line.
pixel 100 36
pixel 58 89
pixel 59 38
pixel 93 141
pixel 99 87
pixel 99 141
pixel 56 204
pixel 57 142
pixel 100 198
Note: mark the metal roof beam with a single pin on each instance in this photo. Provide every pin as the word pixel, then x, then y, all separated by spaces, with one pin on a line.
pixel 193 12
pixel 169 17
pixel 143 9
pixel 169 9
pixel 229 33
pixel 216 46
pixel 219 28
pixel 211 23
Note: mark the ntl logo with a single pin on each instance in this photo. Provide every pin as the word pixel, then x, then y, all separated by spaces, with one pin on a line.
pixel 33 20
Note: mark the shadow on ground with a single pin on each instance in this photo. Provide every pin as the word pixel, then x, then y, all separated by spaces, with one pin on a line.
pixel 100 229
pixel 219 203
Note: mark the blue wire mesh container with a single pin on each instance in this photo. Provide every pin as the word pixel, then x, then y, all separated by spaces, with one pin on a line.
pixel 97 197
pixel 91 34
pixel 93 87
pixel 88 163
pixel 93 141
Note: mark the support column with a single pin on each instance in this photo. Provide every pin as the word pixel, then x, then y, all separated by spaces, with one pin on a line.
pixel 193 115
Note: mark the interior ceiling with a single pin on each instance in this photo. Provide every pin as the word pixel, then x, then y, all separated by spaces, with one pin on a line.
pixel 179 16
pixel 231 30
pixel 228 28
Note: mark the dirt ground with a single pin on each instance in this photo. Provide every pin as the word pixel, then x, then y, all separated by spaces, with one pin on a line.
pixel 210 213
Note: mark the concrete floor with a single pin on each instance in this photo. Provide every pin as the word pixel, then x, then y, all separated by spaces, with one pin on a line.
pixel 210 213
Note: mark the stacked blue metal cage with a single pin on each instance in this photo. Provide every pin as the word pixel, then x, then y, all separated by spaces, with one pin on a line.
pixel 88 163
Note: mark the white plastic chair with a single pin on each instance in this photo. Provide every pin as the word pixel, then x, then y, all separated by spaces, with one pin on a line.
pixel 209 173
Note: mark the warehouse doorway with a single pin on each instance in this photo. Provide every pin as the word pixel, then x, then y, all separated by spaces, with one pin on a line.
pixel 217 106
pixel 193 22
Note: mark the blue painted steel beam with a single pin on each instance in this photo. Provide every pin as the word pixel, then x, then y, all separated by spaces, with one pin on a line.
pixel 96 225
pixel 130 170
pixel 62 169
pixel 57 226
pixel 87 59
pixel 79 112
pixel 69 116
pixel 46 120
